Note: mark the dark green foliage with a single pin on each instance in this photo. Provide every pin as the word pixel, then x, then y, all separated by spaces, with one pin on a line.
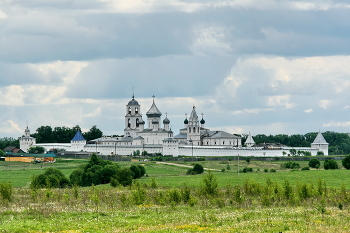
pixel 51 178
pixel 272 170
pixel 305 168
pixel 330 164
pixel 96 171
pixel 6 190
pixel 136 171
pixel 36 150
pixel 93 133
pixel 124 176
pixel 197 169
pixel 5 142
pixel 210 184
pixel 314 162
pixel 290 165
pixel 247 160
pixel 247 169
pixel 45 134
pixel 346 162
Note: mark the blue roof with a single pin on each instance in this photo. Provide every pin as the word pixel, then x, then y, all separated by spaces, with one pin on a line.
pixel 78 137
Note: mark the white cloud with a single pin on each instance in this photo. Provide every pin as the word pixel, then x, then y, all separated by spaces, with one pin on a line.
pixel 12 95
pixel 3 15
pixel 337 124
pixel 95 113
pixel 325 104
pixel 252 111
pixel 283 100
pixel 211 40
pixel 308 110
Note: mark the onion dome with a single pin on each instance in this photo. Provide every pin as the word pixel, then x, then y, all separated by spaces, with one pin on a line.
pixel 202 121
pixel 186 121
pixel 133 101
pixel 141 122
pixel 155 121
pixel 166 121
pixel 27 130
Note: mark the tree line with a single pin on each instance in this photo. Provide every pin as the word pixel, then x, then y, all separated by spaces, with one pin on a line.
pixel 339 143
pixel 45 134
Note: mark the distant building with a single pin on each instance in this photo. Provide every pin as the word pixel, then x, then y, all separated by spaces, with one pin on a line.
pixel 194 139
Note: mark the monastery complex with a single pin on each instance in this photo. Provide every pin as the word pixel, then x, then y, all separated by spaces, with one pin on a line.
pixel 194 139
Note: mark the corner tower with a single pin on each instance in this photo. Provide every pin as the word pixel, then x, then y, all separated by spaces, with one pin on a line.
pixel 320 143
pixel 133 119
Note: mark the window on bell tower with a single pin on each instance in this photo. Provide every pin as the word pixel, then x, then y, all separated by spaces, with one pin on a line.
pixel 129 110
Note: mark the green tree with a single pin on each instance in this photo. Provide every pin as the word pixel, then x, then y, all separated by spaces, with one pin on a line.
pixel 124 176
pixel 43 134
pixel 330 164
pixel 346 162
pixel 197 169
pixel 293 152
pixel 36 150
pixel 247 160
pixel 93 133
pixel 314 163
pixel 51 178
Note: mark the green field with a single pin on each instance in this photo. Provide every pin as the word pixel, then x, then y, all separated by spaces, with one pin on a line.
pixel 167 200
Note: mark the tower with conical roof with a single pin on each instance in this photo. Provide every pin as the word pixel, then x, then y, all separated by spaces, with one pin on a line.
pixel 250 141
pixel 133 119
pixel 193 128
pixel 320 143
pixel 153 117
pixel 78 142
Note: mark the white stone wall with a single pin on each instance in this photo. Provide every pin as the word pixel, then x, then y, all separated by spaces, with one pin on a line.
pixel 26 143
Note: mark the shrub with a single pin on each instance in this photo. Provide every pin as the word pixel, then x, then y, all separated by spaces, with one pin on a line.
pixel 197 169
pixel 346 162
pixel 210 184
pixel 124 176
pixel 291 165
pixel 247 169
pixel 330 164
pixel 266 170
pixel 305 168
pixel 51 178
pixel 6 191
pixel 314 162
pixel 247 160
pixel 273 170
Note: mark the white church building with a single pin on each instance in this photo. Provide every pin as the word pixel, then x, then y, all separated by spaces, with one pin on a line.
pixel 194 139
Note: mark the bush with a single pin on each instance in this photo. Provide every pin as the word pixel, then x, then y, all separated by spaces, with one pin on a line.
pixel 247 169
pixel 197 169
pixel 6 191
pixel 291 165
pixel 320 153
pixel 51 178
pixel 330 164
pixel 124 176
pixel 314 162
pixel 266 170
pixel 247 160
pixel 346 162
pixel 305 168
pixel 273 170
pixel 210 184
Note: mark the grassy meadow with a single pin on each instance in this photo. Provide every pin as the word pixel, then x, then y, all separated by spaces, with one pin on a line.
pixel 168 200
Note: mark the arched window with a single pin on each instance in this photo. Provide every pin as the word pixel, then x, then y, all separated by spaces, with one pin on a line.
pixel 223 143
pixel 194 129
pixel 129 110
pixel 129 122
pixel 136 110
pixel 137 122
pixel 189 130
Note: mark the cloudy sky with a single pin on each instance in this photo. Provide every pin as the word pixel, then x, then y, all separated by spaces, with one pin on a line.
pixel 271 66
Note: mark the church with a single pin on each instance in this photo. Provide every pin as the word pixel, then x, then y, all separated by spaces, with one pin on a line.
pixel 156 137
